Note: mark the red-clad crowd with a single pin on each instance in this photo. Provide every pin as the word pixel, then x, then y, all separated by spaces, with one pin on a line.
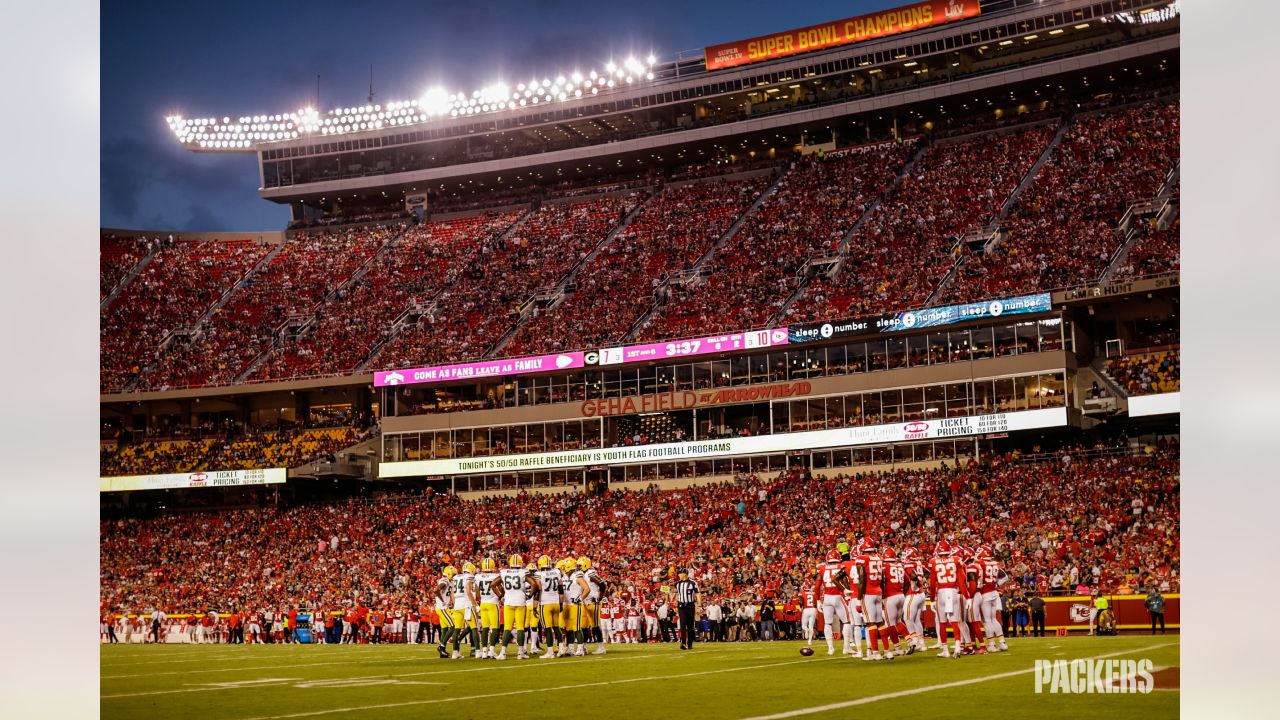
pixel 816 203
pixel 906 247
pixel 1154 252
pixel 1063 230
pixel 311 265
pixel 483 301
pixel 117 256
pixel 667 236
pixel 425 260
pixel 177 286
pixel 1094 520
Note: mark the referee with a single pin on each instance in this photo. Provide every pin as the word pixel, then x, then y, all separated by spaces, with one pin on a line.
pixel 686 606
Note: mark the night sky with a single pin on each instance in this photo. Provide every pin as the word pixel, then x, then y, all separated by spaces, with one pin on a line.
pixel 239 58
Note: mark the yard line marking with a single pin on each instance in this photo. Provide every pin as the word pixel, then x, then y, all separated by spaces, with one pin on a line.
pixel 234 686
pixel 248 683
pixel 929 688
pixel 268 667
pixel 601 683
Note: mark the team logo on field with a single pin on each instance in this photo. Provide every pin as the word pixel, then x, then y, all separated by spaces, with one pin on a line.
pixel 1094 676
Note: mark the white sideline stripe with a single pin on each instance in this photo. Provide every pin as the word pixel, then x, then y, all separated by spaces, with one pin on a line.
pixel 601 683
pixel 513 666
pixel 269 667
pixel 226 657
pixel 930 688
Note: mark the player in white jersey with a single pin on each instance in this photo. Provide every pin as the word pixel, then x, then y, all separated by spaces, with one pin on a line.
pixel 532 590
pixel 512 581
pixel 550 580
pixel 576 592
pixel 489 587
pixel 465 599
pixel 444 599
pixel 591 604
pixel 833 582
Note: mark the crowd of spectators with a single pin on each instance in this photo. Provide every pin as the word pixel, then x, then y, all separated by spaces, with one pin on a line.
pixel 311 265
pixel 184 279
pixel 355 320
pixel 1158 372
pixel 484 301
pixel 899 255
pixel 232 449
pixel 1062 232
pixel 673 229
pixel 1104 521
pixel 816 203
pixel 117 256
pixel 1154 251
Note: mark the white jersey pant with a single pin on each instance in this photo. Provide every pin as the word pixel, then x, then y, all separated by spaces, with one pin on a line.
pixel 914 607
pixel 948 606
pixel 894 609
pixel 633 623
pixel 412 627
pixel 856 615
pixel 873 609
pixel 650 626
pixel 809 621
pixel 833 606
pixel 397 627
pixel 990 610
pixel 606 629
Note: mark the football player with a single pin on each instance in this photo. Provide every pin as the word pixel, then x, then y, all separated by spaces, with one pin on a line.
pixel 549 580
pixel 990 578
pixel 945 576
pixel 871 595
pixel 834 582
pixel 489 588
pixel 576 592
pixel 809 615
pixel 465 599
pixel 895 582
pixel 591 605
pixel 444 601
pixel 913 573
pixel 511 582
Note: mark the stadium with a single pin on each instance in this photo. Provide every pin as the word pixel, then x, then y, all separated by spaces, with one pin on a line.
pixel 805 321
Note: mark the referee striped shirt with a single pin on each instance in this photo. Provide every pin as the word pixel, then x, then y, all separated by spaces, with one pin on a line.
pixel 686 592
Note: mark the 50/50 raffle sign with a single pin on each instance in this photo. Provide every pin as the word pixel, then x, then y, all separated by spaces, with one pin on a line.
pixel 759 444
pixel 841 32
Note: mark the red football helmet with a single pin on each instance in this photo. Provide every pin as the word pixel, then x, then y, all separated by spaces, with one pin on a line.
pixel 966 553
pixel 833 556
pixel 889 554
pixel 984 551
pixel 909 553
pixel 942 549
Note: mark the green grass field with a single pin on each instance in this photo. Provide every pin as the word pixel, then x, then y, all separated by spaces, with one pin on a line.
pixel 737 680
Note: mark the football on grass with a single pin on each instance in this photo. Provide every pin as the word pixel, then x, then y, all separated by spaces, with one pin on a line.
pixel 806 651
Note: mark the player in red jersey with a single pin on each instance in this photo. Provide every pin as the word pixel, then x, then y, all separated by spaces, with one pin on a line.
pixel 633 621
pixel 991 576
pixel 834 581
pixel 895 585
pixel 916 596
pixel 945 577
pixel 871 595
pixel 809 616
pixel 968 589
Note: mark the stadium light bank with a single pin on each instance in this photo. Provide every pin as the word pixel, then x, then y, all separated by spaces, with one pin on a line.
pixel 248 131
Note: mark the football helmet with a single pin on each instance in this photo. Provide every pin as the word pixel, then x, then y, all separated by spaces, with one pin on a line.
pixel 450 571
pixel 584 563
pixel 984 551
pixel 516 561
pixel 544 563
pixel 467 567
pixel 889 554
pixel 488 565
pixel 942 549
pixel 909 554
pixel 833 556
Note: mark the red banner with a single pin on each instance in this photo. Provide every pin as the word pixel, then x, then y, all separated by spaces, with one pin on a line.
pixel 841 32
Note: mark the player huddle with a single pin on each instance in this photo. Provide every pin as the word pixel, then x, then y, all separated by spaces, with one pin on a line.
pixel 885 594
pixel 491 607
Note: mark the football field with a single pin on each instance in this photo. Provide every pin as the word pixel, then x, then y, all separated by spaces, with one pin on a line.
pixel 731 680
